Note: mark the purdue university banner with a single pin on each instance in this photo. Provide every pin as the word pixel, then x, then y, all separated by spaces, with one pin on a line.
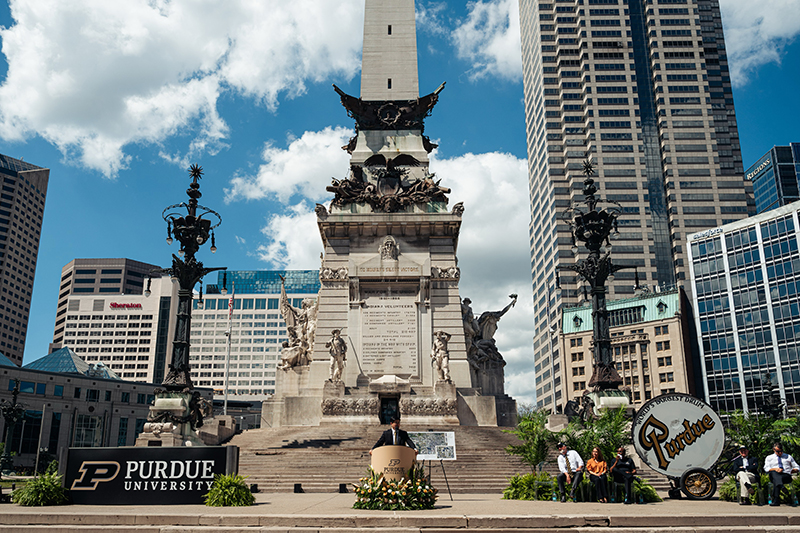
pixel 146 476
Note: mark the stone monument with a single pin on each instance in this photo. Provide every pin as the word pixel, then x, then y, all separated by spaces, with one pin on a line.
pixel 389 274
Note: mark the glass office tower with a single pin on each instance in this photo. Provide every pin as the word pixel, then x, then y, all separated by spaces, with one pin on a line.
pixel 642 89
pixel 746 279
pixel 775 177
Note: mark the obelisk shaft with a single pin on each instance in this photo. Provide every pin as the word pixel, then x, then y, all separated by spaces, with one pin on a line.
pixel 389 57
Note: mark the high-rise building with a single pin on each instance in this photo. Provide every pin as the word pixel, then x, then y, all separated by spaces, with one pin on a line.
pixel 643 90
pixel 746 290
pixel 21 213
pixel 99 277
pixel 131 333
pixel 775 177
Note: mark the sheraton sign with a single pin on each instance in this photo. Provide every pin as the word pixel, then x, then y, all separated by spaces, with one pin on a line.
pixel 114 305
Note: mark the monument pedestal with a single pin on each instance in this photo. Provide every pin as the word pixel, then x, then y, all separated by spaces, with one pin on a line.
pixel 169 422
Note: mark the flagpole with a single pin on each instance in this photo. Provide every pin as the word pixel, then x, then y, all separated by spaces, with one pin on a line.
pixel 228 354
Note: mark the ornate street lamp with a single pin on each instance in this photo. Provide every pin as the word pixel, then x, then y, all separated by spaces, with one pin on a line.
pixel 12 413
pixel 592 225
pixel 192 230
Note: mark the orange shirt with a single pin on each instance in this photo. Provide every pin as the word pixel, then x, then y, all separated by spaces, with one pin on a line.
pixel 598 468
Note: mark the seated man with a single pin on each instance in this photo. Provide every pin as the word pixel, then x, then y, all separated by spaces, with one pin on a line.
pixel 780 467
pixel 394 436
pixel 570 465
pixel 745 468
pixel 623 471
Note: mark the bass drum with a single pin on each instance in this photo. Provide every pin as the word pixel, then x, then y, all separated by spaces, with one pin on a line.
pixel 698 484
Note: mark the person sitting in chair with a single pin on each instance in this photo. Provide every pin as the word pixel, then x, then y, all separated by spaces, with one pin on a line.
pixel 745 468
pixel 394 436
pixel 570 465
pixel 623 471
pixel 780 467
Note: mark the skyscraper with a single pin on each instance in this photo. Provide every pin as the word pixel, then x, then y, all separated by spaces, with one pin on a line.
pixel 21 213
pixel 642 89
pixel 775 177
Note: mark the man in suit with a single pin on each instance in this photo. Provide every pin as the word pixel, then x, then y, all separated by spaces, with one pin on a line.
pixel 745 468
pixel 780 467
pixel 394 436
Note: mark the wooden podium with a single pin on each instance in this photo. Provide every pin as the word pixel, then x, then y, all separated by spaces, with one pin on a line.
pixel 393 461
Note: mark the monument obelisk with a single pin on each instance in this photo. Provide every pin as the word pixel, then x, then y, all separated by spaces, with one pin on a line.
pixel 390 338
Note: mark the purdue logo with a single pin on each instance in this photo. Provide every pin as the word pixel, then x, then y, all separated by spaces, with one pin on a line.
pixel 94 472
pixel 394 462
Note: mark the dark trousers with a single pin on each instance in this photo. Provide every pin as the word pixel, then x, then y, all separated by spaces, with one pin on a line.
pixel 778 480
pixel 576 478
pixel 627 478
pixel 600 485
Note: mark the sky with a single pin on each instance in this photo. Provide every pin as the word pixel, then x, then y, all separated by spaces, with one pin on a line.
pixel 119 98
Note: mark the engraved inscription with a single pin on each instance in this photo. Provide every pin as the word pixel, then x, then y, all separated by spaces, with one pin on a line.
pixel 389 332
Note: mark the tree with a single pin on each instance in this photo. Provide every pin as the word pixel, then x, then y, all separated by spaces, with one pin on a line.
pixel 759 431
pixel 536 439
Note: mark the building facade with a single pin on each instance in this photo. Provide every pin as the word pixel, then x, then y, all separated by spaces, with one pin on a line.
pixel 650 341
pixel 132 333
pixel 643 90
pixel 775 177
pixel 99 276
pixel 746 291
pixel 21 214
pixel 69 408
pixel 257 329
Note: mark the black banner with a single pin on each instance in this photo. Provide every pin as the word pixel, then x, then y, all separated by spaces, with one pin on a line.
pixel 143 476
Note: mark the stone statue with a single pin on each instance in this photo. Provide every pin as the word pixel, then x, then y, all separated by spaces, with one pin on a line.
pixel 488 320
pixel 389 249
pixel 471 327
pixel 338 350
pixel 301 325
pixel 485 361
pixel 440 355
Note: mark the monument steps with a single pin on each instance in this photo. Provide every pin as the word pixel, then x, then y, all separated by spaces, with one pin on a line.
pixel 321 458
pixel 209 520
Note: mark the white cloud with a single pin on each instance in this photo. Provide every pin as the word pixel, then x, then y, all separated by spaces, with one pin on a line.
pixel 293 239
pixel 304 168
pixel 489 38
pixel 92 76
pixel 757 33
pixel 493 248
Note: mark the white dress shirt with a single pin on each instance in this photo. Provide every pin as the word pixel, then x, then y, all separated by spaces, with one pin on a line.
pixel 575 461
pixel 785 461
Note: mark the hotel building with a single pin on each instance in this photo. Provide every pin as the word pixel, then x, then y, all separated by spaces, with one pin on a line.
pixel 132 333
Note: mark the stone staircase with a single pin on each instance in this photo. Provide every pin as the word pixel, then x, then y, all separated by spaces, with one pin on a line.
pixel 320 458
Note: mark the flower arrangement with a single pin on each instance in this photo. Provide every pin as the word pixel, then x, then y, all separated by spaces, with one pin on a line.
pixel 412 492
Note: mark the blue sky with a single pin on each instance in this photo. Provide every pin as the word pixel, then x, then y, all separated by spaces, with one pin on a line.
pixel 118 98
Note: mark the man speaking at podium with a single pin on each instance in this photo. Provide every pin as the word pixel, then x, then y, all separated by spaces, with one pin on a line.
pixel 394 436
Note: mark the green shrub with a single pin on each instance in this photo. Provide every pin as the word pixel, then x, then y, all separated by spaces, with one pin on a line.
pixel 229 491
pixel 412 492
pixel 539 486
pixel 42 490
pixel 52 468
pixel 642 488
